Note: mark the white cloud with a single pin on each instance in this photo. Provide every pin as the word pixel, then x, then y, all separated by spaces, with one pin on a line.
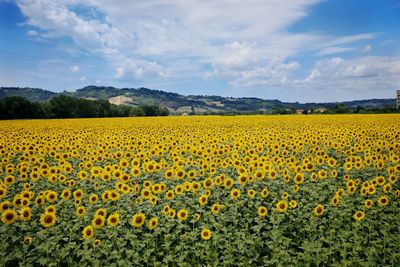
pixel 75 68
pixel 82 79
pixel 315 74
pixel 32 33
pixel 367 48
pixel 334 50
pixel 245 43
pixel 140 69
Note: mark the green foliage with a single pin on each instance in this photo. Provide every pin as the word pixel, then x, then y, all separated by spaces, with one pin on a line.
pixel 63 106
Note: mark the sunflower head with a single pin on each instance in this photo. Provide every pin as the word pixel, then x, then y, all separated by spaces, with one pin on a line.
pixel 262 211
pixel 182 214
pixel 319 210
pixel 153 223
pixel 138 220
pixel 206 234
pixel 113 219
pixel 359 216
pixel 48 219
pixel 281 206
pixel 9 216
pixel 88 232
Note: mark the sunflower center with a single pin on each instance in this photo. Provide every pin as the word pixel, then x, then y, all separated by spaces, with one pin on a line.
pixel 48 219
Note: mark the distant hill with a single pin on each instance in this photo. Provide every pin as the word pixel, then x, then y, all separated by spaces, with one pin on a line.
pixel 32 94
pixel 177 103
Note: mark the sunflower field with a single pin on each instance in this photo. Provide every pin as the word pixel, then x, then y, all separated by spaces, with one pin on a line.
pixel 194 191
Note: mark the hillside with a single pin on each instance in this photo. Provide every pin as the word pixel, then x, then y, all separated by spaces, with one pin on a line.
pixel 32 94
pixel 177 103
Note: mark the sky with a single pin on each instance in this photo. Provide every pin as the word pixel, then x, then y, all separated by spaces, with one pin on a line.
pixel 290 50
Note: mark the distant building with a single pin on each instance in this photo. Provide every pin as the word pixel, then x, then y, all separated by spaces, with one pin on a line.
pixel 319 110
pixel 398 99
pixel 299 111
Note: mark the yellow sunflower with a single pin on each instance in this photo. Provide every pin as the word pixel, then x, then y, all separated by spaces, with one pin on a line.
pixel 138 220
pixel 281 206
pixel 113 219
pixel 235 193
pixel 153 223
pixel 25 214
pixel 88 232
pixel 383 201
pixel 182 214
pixel 359 216
pixel 98 221
pixel 48 219
pixel 262 211
pixel 206 234
pixel 9 216
pixel 319 210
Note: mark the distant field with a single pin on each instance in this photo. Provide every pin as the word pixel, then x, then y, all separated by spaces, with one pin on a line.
pixel 189 191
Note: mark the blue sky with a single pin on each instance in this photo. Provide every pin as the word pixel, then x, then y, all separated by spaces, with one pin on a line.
pixel 303 50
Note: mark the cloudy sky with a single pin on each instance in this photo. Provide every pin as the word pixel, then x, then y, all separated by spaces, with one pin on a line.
pixel 291 50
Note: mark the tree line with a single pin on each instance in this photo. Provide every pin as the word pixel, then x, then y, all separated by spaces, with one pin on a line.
pixel 62 106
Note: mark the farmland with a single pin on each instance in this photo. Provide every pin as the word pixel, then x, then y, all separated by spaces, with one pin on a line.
pixel 241 190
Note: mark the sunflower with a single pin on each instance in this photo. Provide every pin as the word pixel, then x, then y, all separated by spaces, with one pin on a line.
pixel 3 192
pixel 25 214
pixel 319 210
pixel 28 240
pixel 88 232
pixel 66 194
pixel 359 216
pixel 228 182
pixel 39 201
pixel 9 216
pixel 182 214
pixel 78 194
pixel 96 243
pixel 235 193
pixel 293 204
pixel 172 213
pixel 298 178
pixel 5 205
pixel 387 188
pixel 153 223
pixel 264 192
pixel 281 206
pixel 335 200
pixel 98 221
pixel 93 199
pixel 203 200
pixel 251 193
pixel 169 194
pixel 101 212
pixel 80 211
pixel 383 201
pixel 262 211
pixel 48 219
pixel 138 220
pixel 215 208
pixel 166 209
pixel 206 234
pixel 50 209
pixel 113 219
pixel 368 203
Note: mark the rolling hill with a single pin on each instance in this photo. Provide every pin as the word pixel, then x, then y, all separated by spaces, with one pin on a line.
pixel 177 103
